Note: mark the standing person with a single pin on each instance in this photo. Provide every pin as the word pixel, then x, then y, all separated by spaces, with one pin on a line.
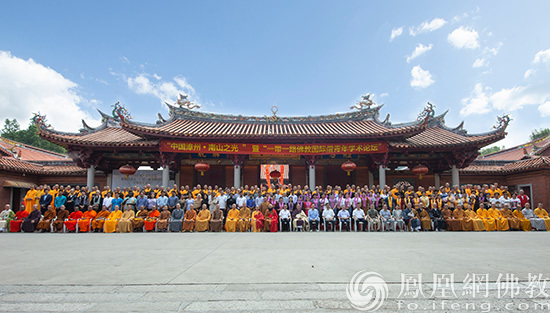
pixel 30 199
pixel 172 201
pixel 115 202
pixel 81 203
pixel 45 200
pixel 71 200
pixel 108 201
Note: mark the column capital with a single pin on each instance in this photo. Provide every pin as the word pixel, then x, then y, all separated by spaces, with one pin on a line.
pixel 237 159
pixel 311 160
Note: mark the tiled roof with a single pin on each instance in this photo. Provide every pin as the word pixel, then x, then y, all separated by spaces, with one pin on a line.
pixel 518 152
pixel 440 137
pixel 12 164
pixel 107 136
pixel 523 165
pixel 239 130
pixel 29 153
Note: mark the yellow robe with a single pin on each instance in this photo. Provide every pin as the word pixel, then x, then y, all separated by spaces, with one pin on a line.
pixel 30 200
pixel 501 221
pixel 544 215
pixel 478 222
pixel 253 222
pixel 231 220
pixel 244 220
pixel 112 221
pixel 525 223
pixel 203 220
pixel 487 219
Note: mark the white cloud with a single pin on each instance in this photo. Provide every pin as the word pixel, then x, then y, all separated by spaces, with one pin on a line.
pixel 426 27
pixel 530 72
pixel 165 91
pixel 125 60
pixel 385 94
pixel 544 109
pixel 477 103
pixel 420 78
pixel 542 56
pixel 494 50
pixel 28 87
pixel 396 32
pixel 419 50
pixel 479 62
pixel 464 38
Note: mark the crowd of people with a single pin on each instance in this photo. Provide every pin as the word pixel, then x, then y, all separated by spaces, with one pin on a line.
pixel 280 208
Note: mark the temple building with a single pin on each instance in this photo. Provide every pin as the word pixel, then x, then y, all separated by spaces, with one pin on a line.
pixel 236 150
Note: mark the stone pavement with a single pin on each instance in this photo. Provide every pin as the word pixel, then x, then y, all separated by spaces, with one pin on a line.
pixel 252 272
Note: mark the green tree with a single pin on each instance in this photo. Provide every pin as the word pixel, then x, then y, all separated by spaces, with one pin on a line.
pixel 490 150
pixel 539 133
pixel 10 128
pixel 28 136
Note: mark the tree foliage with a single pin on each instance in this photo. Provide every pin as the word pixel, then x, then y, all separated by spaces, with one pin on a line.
pixel 490 150
pixel 539 133
pixel 28 136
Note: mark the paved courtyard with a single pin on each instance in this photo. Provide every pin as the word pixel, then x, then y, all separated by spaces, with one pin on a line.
pixel 171 272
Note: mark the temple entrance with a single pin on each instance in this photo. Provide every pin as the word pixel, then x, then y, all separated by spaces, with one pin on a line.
pixel 335 176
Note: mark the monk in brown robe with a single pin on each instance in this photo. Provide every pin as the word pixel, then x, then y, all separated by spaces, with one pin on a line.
pixel 141 215
pixel 216 222
pixel 452 223
pixel 85 221
pixel 151 220
pixel 243 224
pixel 45 222
pixel 513 221
pixel 61 214
pixel 466 222
pixel 99 220
pixel 162 221
pixel 203 219
pixel 189 220
pixel 124 224
pixel 525 223
pixel 424 216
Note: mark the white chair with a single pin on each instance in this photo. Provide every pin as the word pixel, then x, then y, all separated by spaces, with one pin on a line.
pixel 361 223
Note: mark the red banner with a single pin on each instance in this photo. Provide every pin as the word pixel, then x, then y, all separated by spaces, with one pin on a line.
pixel 292 149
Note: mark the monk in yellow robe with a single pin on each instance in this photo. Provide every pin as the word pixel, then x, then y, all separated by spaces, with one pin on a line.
pixel 231 219
pixel 203 219
pixel 112 220
pixel 487 219
pixel 541 213
pixel 513 221
pixel 476 221
pixel 39 193
pixel 99 220
pixel 189 220
pixel 452 223
pixel 257 220
pixel 151 220
pixel 243 224
pixel 124 224
pixel 30 199
pixel 85 221
pixel 525 223
pixel 466 222
pixel 500 221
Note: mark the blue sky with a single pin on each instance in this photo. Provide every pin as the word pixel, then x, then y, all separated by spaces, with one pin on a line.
pixel 479 59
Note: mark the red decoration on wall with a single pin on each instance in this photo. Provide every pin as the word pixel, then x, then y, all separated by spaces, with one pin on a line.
pixel 348 166
pixel 420 170
pixel 127 170
pixel 202 167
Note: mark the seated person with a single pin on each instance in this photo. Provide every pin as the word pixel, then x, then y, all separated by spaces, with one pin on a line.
pixel 151 220
pixel 257 219
pixel 374 219
pixel 344 217
pixel 284 215
pixel 299 218
pixel 203 219
pixel 30 222
pixel 112 220
pixel 46 221
pixel 176 220
pixel 359 219
pixel 62 214
pixel 243 224
pixel 5 218
pixel 124 224
pixel 232 218
pixel 86 220
pixel 386 218
pixel 99 220
pixel 72 219
pixel 164 217
pixel 139 221
pixel 15 224
pixel 216 222
pixel 329 217
pixel 313 218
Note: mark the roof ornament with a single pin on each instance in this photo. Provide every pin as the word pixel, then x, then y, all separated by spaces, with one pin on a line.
pixel 40 121
pixel 183 101
pixel 429 112
pixel 502 122
pixel 121 113
pixel 366 103
pixel 274 117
